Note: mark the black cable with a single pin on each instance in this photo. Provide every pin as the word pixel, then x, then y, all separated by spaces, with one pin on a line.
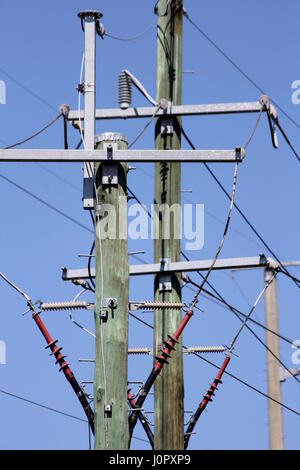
pixel 66 146
pixel 257 390
pixel 78 145
pixel 237 67
pixel 223 303
pixel 235 205
pixel 28 90
pixel 247 317
pixel 134 38
pixel 35 134
pixel 295 279
pixel 89 267
pixel 287 139
pixel 139 202
pixel 218 296
pixel 47 204
pixel 246 384
pixel 49 408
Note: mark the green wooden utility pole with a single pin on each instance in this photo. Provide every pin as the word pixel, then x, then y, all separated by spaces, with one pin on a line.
pixel 168 389
pixel 110 389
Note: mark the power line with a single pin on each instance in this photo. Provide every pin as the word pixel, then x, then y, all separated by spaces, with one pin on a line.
pixel 237 67
pixel 58 177
pixel 49 124
pixel 243 382
pixel 45 203
pixel 54 410
pixel 236 206
pixel 221 302
pixel 287 140
pixel 295 279
pixel 145 127
pixel 133 38
pixel 40 405
pixel 244 324
pixel 28 90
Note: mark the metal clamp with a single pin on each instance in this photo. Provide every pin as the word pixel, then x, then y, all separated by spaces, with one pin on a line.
pixel 108 303
pixel 99 211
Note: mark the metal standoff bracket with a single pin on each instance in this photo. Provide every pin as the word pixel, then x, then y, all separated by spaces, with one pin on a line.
pixel 167 125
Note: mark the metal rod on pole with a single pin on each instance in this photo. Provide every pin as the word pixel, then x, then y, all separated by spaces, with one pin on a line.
pixel 88 22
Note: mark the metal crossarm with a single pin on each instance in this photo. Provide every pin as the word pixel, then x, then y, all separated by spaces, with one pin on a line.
pixel 78 156
pixel 172 110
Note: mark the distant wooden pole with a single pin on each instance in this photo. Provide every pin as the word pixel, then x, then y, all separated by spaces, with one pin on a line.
pixel 115 285
pixel 273 366
pixel 168 389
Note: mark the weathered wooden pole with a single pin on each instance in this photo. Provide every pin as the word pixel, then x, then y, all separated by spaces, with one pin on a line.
pixel 273 366
pixel 111 300
pixel 168 389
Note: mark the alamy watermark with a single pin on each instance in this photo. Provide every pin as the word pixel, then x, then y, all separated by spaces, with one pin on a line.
pixel 176 222
pixel 296 94
pixel 296 354
pixel 2 352
pixel 2 92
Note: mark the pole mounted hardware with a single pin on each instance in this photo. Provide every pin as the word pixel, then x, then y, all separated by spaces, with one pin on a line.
pixel 56 352
pixel 173 110
pixel 253 262
pixel 108 304
pixel 272 118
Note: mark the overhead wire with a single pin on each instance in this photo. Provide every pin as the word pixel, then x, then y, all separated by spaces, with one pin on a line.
pixel 266 245
pixel 287 140
pixel 40 405
pixel 221 302
pixel 35 134
pixel 133 38
pixel 139 135
pixel 237 67
pixel 45 203
pixel 243 382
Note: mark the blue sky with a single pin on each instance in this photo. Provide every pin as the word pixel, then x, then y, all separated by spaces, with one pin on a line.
pixel 42 48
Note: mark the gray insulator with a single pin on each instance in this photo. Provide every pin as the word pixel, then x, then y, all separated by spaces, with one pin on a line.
pixel 64 305
pixel 125 86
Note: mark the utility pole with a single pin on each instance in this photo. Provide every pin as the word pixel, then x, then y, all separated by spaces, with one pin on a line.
pixel 111 299
pixel 273 366
pixel 168 388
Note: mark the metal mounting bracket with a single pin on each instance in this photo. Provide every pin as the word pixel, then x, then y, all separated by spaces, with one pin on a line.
pixel 109 170
pixel 164 279
pixel 167 126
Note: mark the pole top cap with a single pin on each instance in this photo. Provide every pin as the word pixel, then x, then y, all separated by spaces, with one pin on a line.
pixel 86 13
pixel 110 136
